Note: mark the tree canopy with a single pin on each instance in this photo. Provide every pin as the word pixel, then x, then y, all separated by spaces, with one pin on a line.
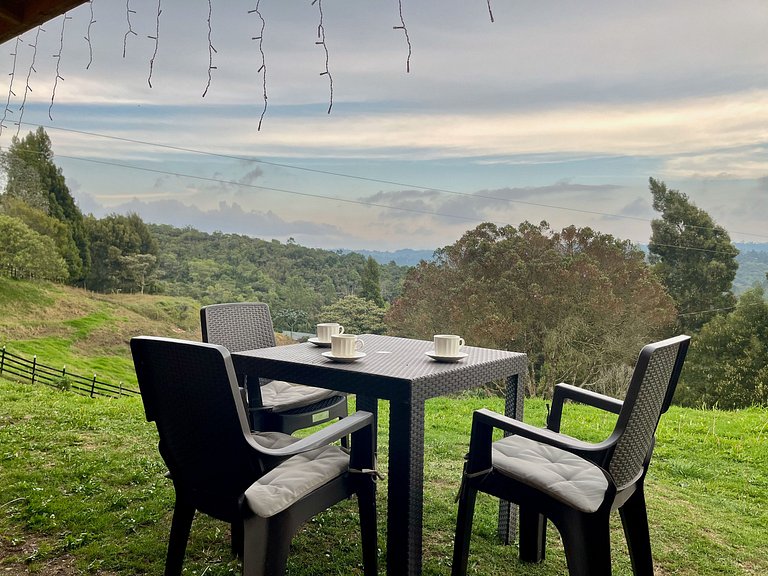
pixel 692 256
pixel 576 301
pixel 727 364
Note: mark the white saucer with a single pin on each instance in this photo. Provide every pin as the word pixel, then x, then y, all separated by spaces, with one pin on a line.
pixel 318 342
pixel 459 356
pixel 357 356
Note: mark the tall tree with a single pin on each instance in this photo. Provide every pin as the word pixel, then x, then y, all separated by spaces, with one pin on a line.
pixel 692 256
pixel 370 282
pixel 575 301
pixel 29 164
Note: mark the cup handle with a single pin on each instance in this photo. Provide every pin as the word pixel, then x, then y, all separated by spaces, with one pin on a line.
pixel 341 329
pixel 461 342
pixel 359 344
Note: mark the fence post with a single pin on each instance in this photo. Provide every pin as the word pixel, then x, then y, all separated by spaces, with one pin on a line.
pixel 2 360
pixel 34 367
pixel 93 385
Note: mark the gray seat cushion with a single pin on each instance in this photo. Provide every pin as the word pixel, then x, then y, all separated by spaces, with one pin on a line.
pixel 295 478
pixel 558 473
pixel 281 396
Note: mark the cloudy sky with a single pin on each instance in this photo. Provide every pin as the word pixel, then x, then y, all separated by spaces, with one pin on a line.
pixel 556 111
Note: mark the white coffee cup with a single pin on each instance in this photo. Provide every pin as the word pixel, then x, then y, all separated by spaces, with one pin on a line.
pixel 327 329
pixel 345 345
pixel 448 344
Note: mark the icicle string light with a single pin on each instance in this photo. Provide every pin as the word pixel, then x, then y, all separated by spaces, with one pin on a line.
pixel 130 30
pixel 321 42
pixel 10 85
pixel 263 68
pixel 88 36
pixel 490 11
pixel 156 38
pixel 28 88
pixel 211 50
pixel 58 64
pixel 404 28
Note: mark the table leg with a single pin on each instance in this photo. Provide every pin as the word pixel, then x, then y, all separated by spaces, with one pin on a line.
pixel 406 489
pixel 513 407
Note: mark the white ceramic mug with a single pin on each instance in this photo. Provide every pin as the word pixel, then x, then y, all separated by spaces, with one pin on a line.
pixel 448 344
pixel 328 329
pixel 345 345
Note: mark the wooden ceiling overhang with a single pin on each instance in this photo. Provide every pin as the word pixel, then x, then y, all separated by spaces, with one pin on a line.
pixel 18 16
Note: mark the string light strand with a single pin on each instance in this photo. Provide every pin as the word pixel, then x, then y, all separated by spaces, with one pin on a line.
pixel 211 50
pixel 58 64
pixel 156 38
pixel 404 28
pixel 321 42
pixel 263 68
pixel 130 31
pixel 88 36
pixel 10 85
pixel 490 11
pixel 28 88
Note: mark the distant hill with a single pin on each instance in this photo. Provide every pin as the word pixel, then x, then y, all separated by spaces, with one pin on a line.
pixel 404 257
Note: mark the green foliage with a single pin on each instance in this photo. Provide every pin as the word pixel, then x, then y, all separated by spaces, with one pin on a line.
pixel 693 257
pixel 370 282
pixel 728 360
pixel 26 254
pixel 123 252
pixel 357 315
pixel 233 268
pixel 575 301
pixel 753 269
pixel 33 178
pixel 46 225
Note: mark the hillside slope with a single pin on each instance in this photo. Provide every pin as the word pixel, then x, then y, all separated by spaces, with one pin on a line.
pixel 85 331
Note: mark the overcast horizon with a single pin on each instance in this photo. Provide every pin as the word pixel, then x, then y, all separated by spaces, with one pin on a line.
pixel 556 112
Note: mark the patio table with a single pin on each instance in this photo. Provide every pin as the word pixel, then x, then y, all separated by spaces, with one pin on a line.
pixel 399 371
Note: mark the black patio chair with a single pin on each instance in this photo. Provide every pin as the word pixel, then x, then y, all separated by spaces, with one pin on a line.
pixel 575 484
pixel 266 485
pixel 271 404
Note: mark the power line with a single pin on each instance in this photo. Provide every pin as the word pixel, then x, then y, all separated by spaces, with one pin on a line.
pixel 332 198
pixel 369 179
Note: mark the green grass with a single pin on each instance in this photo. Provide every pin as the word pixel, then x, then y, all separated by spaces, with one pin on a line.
pixel 81 482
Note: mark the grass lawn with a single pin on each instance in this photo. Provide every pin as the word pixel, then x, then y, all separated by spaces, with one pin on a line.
pixel 82 492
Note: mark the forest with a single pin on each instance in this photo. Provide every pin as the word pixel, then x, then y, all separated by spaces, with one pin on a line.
pixel 578 302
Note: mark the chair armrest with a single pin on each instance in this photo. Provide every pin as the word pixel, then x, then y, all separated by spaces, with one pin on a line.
pixel 327 435
pixel 565 392
pixel 484 421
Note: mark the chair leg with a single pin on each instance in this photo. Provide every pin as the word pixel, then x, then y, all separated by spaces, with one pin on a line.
pixel 183 514
pixel 255 530
pixel 366 501
pixel 634 518
pixel 533 535
pixel 237 538
pixel 587 544
pixel 464 518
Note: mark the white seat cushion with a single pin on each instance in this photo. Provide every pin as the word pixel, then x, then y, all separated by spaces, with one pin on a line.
pixel 281 396
pixel 273 440
pixel 560 474
pixel 295 478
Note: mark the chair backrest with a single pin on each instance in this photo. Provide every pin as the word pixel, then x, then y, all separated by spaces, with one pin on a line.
pixel 649 395
pixel 190 392
pixel 238 326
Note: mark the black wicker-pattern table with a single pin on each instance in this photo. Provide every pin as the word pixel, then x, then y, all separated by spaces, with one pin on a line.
pixel 398 370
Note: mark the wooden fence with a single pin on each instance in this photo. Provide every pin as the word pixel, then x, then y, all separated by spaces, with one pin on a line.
pixel 59 378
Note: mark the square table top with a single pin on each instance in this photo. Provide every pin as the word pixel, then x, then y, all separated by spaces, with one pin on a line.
pixel 393 368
